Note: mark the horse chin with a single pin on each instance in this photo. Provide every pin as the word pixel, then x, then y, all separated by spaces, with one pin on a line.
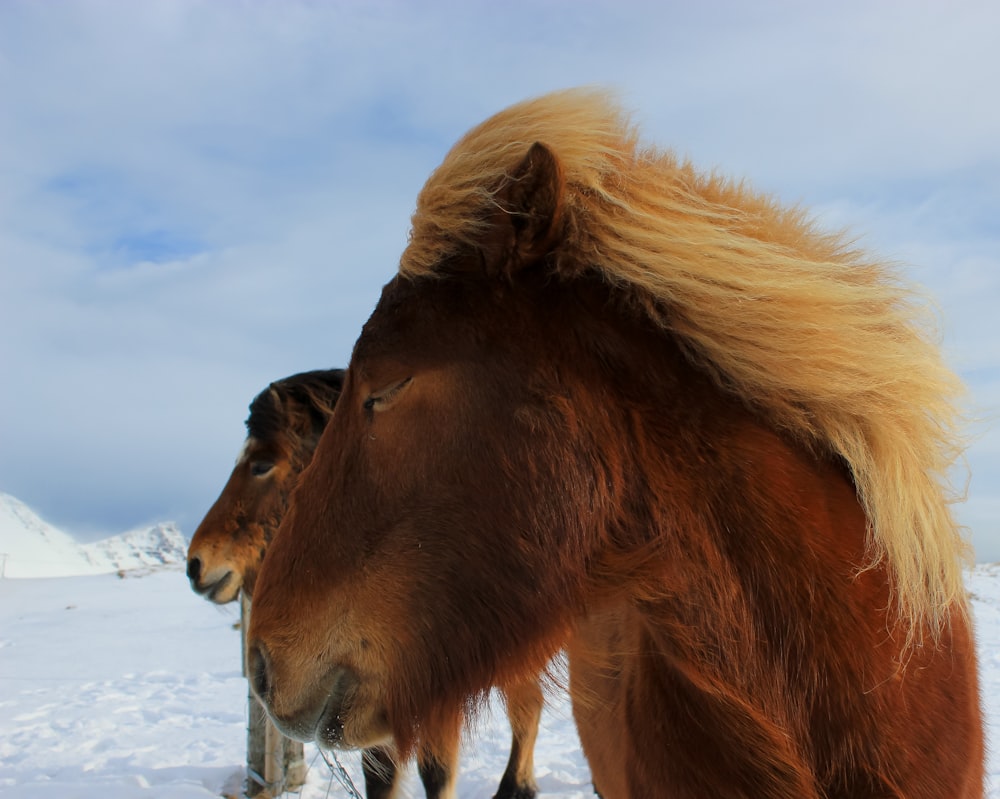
pixel 334 732
pixel 347 721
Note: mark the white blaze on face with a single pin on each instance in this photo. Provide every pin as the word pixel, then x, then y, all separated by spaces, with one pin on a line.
pixel 245 451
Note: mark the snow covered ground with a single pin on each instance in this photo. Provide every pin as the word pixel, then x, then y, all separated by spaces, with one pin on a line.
pixel 115 688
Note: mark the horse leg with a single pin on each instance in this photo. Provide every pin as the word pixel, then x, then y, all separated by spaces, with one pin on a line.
pixel 437 765
pixel 379 767
pixel 524 709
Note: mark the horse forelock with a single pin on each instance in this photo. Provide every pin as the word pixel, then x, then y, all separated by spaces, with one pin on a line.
pixel 824 340
pixel 311 395
pixel 266 419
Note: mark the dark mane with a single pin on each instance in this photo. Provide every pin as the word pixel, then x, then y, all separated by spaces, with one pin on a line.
pixel 316 391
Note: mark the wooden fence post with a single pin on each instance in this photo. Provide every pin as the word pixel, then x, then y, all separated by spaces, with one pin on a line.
pixel 275 764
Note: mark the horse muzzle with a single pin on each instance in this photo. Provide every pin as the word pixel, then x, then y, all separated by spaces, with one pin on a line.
pixel 320 716
pixel 219 585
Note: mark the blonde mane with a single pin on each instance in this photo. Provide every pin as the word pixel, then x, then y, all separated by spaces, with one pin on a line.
pixel 825 341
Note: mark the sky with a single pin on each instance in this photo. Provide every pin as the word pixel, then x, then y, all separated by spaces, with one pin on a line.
pixel 197 198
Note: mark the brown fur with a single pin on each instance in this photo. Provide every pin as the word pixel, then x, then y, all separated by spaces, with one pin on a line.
pixel 285 422
pixel 283 429
pixel 817 336
pixel 612 402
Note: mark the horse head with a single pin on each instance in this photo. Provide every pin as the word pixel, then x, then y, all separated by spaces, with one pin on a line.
pixel 404 541
pixel 284 426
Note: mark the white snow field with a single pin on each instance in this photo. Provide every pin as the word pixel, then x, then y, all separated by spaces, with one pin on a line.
pixel 121 688
pixel 130 687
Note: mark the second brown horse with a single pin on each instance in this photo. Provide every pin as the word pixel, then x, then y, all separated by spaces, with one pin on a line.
pixel 226 552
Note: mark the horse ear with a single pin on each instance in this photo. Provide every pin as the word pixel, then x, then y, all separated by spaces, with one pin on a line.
pixel 527 226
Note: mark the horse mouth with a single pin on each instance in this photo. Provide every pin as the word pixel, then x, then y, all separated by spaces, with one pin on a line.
pixel 219 591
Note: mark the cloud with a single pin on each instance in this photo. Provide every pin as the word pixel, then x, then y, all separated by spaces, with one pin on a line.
pixel 199 197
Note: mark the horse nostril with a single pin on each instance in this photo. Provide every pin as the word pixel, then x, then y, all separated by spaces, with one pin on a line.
pixel 257 666
pixel 194 570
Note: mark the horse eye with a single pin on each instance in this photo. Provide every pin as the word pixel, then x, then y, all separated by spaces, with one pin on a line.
pixel 260 468
pixel 386 395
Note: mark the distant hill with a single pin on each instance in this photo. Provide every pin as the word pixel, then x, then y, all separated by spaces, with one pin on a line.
pixel 160 545
pixel 31 547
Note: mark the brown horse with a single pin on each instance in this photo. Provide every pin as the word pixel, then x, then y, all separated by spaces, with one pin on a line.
pixel 285 423
pixel 614 401
pixel 284 427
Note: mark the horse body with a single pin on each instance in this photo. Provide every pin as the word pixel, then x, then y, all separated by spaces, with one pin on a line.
pixel 771 668
pixel 531 450
pixel 228 548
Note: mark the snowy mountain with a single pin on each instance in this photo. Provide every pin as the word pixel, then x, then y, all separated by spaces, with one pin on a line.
pixel 31 547
pixel 160 545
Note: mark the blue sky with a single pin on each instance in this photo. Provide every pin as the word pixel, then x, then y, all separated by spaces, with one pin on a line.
pixel 199 197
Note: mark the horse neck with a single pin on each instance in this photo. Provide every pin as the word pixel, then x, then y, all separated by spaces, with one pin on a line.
pixel 710 500
pixel 719 592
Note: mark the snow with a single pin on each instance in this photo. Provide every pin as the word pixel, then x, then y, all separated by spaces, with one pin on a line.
pixel 31 547
pixel 130 687
pixel 160 545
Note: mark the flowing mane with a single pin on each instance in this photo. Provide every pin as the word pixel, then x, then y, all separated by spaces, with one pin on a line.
pixel 825 342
